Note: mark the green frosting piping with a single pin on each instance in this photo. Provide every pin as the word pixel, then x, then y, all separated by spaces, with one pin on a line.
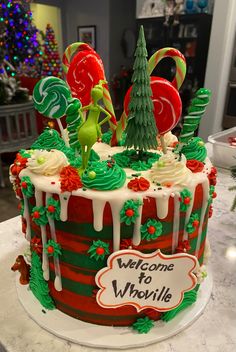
pixel 56 204
pixel 103 176
pixel 189 298
pixel 42 220
pixel 194 149
pixel 22 207
pixel 184 194
pixel 93 250
pixel 189 227
pixel 143 325
pixel 29 191
pixel 151 236
pixel 211 191
pixel 128 158
pixel 25 153
pixel 56 246
pixel 38 285
pixel 133 205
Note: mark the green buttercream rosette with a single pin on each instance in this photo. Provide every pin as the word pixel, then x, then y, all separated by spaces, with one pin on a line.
pixel 39 216
pixel 103 176
pixel 27 186
pixel 151 230
pixel 143 325
pixel 130 211
pixel 52 248
pixel 99 250
pixel 195 149
pixel 185 199
pixel 193 223
pixel 53 208
pixel 106 138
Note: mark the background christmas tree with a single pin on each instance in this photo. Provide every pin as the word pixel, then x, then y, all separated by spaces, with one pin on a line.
pixel 22 49
pixel 141 128
pixel 51 59
pixel 38 285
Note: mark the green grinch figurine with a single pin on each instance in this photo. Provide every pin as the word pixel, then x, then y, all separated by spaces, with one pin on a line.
pixel 90 130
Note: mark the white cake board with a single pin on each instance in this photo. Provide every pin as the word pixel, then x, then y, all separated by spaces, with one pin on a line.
pixel 98 336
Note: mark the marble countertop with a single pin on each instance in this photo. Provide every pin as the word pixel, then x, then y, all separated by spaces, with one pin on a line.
pixel 214 331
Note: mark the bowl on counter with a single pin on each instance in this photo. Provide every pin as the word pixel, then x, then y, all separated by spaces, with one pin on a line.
pixel 223 153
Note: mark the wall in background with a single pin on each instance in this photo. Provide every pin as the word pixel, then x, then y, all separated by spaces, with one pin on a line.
pixel 218 64
pixel 44 14
pixel 122 27
pixel 89 12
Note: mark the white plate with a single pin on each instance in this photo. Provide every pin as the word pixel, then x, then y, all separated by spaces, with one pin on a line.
pixel 86 334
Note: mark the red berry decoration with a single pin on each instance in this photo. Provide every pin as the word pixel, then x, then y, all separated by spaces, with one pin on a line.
pixel 24 185
pixel 36 215
pixel 129 212
pixel 187 200
pixel 195 223
pixel 51 209
pixel 214 195
pixel 50 249
pixel 151 230
pixel 100 250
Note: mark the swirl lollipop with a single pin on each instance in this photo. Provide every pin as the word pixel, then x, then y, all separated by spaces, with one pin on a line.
pixel 52 97
pixel 84 69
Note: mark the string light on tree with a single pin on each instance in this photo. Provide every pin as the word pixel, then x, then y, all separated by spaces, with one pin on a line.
pixel 51 59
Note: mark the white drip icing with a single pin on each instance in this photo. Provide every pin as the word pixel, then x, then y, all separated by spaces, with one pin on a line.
pixel 26 215
pixel 98 208
pixel 116 207
pixel 45 264
pixel 64 200
pixel 162 206
pixel 137 233
pixel 57 281
pixel 175 236
pixel 189 212
pixel 205 197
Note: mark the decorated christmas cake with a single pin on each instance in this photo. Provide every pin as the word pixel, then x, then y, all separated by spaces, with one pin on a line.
pixel 117 222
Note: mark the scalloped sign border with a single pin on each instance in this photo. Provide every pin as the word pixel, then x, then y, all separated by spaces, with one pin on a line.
pixel 145 281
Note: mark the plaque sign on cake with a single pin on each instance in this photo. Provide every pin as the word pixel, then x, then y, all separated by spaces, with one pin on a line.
pixel 154 280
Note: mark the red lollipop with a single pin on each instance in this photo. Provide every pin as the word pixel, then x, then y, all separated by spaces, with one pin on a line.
pixel 167 104
pixel 85 70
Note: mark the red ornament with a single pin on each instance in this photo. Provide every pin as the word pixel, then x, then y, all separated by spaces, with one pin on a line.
pixel 139 184
pixel 85 71
pixel 167 104
pixel 24 185
pixel 129 212
pixel 100 250
pixel 210 212
pixel 50 249
pixel 187 200
pixel 195 223
pixel 212 176
pixel 36 215
pixel 151 230
pixel 51 209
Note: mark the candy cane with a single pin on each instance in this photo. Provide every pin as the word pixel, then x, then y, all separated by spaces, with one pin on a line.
pixel 179 61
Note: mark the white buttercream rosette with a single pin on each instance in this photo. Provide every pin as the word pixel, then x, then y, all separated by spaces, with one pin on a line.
pixel 47 163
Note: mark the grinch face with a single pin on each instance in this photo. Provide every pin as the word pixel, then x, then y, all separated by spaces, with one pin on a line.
pixel 97 93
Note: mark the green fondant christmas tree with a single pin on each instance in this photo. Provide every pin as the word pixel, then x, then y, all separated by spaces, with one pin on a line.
pixel 141 128
pixel 38 285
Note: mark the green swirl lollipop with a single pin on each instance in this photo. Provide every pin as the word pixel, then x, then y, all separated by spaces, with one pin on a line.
pixel 52 97
pixel 195 112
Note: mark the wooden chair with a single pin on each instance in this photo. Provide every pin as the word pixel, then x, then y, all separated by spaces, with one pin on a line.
pixel 17 129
